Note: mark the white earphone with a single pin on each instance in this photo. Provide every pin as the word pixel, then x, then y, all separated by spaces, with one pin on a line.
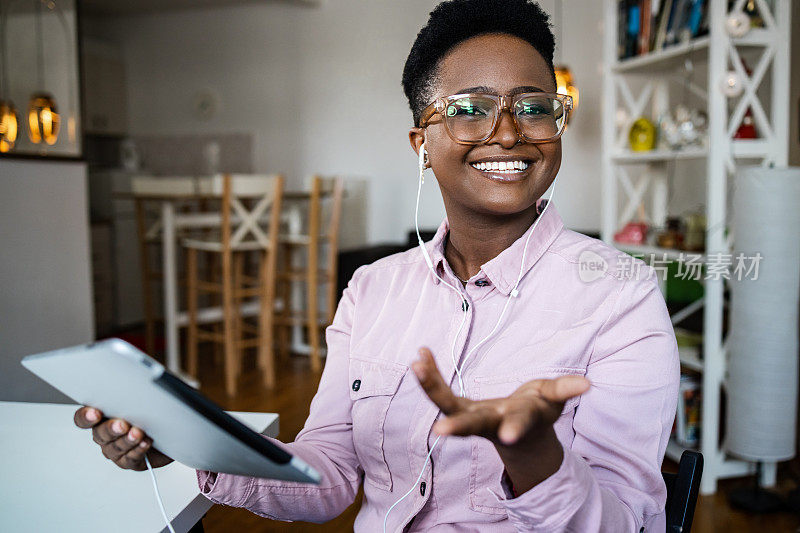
pixel 423 154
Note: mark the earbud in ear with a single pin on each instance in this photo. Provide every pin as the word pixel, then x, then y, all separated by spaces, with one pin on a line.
pixel 423 162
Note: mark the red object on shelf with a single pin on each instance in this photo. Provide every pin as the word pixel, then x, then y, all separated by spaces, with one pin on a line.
pixel 632 233
pixel 747 130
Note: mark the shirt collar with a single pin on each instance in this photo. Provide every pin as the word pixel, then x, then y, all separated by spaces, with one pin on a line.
pixel 503 270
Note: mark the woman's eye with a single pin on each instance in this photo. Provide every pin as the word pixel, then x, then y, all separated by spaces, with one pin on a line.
pixel 466 111
pixel 534 109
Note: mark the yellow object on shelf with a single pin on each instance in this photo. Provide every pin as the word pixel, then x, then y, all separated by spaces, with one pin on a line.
pixel 642 136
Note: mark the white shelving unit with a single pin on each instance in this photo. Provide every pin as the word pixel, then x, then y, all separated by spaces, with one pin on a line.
pixel 640 86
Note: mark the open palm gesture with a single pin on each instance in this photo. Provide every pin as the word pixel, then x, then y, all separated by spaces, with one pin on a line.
pixel 519 425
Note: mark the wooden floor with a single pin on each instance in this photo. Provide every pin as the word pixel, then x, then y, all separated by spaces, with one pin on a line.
pixel 297 385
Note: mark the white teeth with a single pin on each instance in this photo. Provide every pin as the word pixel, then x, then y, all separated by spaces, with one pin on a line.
pixel 501 166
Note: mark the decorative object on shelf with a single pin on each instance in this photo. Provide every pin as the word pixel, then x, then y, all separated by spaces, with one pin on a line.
pixel 683 127
pixel 43 118
pixel 763 340
pixel 753 14
pixel 622 119
pixel 695 235
pixel 737 24
pixel 692 125
pixel 633 232
pixel 672 237
pixel 732 85
pixel 668 132
pixel 642 136
pixel 747 129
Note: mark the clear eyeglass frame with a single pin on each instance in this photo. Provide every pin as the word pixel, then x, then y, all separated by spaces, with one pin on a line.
pixel 502 103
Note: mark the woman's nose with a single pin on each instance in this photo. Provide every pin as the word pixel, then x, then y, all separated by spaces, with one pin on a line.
pixel 506 134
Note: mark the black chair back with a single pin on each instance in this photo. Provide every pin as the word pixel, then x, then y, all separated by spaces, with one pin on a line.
pixel 682 491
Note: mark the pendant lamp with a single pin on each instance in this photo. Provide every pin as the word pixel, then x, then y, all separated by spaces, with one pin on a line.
pixel 8 126
pixel 565 86
pixel 43 117
pixel 8 114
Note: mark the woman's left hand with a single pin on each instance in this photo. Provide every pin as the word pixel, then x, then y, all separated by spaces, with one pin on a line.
pixel 520 426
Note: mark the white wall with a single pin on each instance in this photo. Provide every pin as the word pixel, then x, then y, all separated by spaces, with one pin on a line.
pixel 45 291
pixel 320 89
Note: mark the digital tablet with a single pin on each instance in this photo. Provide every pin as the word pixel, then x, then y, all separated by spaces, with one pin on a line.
pixel 124 382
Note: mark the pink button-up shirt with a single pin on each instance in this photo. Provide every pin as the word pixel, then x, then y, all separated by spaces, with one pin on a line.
pixel 583 308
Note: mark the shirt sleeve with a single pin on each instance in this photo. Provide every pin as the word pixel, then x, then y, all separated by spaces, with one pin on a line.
pixel 325 443
pixel 610 478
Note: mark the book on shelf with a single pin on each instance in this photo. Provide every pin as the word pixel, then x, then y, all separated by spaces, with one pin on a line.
pixel 646 26
pixel 646 13
pixel 687 421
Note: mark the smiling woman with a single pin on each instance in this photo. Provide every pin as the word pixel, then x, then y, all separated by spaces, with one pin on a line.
pixel 482 383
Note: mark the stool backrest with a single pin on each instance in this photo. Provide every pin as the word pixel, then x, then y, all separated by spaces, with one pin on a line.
pixel 682 491
pixel 325 213
pixel 264 192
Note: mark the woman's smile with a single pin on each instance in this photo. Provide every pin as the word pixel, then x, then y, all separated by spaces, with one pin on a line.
pixel 503 169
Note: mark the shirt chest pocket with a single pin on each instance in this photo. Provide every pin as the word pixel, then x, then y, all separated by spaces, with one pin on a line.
pixel 373 385
pixel 486 468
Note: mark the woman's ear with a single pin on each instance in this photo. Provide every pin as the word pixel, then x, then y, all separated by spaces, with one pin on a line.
pixel 417 138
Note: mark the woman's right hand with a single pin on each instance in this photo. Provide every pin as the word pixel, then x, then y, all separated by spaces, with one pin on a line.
pixel 119 441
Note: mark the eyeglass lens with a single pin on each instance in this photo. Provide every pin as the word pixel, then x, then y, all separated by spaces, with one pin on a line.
pixel 471 118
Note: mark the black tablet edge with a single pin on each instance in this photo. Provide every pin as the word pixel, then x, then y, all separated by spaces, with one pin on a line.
pixel 214 414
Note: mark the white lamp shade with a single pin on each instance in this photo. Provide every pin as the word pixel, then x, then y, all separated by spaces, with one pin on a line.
pixel 763 340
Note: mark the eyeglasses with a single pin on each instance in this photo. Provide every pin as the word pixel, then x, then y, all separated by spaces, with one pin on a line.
pixel 474 118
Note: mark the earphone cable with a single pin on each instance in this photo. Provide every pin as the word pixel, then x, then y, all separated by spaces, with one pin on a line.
pixel 512 295
pixel 158 494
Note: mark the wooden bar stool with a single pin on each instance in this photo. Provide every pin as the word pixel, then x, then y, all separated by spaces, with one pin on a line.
pixel 148 232
pixel 147 236
pixel 242 231
pixel 324 211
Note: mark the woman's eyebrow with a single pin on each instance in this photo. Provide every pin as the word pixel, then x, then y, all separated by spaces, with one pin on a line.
pixel 483 89
pixel 526 89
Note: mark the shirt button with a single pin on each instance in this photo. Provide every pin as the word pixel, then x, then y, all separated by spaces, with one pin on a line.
pixel 482 282
pixel 422 488
pixel 356 385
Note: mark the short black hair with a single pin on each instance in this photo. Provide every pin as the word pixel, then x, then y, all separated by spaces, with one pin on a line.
pixel 455 21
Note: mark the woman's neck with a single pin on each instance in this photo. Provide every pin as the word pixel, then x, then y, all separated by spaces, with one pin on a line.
pixel 474 240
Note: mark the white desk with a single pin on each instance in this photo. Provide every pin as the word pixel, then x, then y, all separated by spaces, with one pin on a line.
pixel 53 477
